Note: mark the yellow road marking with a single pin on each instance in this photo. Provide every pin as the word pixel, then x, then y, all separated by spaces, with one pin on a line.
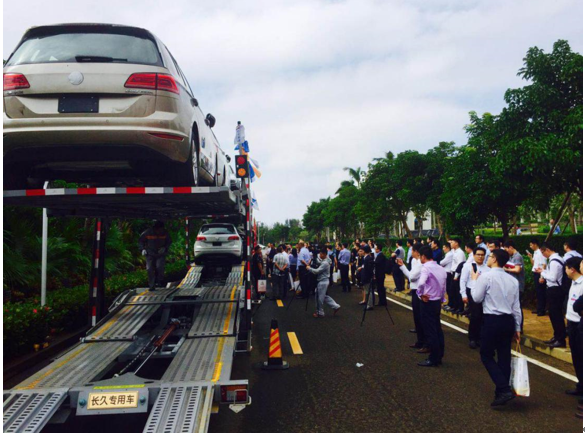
pixel 279 303
pixel 294 343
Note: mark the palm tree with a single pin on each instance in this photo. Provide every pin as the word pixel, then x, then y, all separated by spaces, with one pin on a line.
pixel 356 174
pixel 344 184
pixel 388 157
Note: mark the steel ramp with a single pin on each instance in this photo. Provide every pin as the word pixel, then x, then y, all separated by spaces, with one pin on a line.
pixel 183 408
pixel 207 359
pixel 29 411
pixel 127 321
pixel 76 367
pixel 188 287
pixel 216 319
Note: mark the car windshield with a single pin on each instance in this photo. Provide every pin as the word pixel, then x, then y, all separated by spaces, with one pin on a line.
pixel 86 47
pixel 217 230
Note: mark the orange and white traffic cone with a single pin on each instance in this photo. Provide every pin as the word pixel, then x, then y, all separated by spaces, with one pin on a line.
pixel 275 361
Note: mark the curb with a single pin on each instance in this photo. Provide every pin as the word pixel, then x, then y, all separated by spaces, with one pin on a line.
pixel 527 341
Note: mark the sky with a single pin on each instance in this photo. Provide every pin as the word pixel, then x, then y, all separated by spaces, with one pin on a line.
pixel 323 85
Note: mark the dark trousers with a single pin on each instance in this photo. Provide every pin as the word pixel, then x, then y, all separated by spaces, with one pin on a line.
pixel 451 302
pixel 269 268
pixel 540 294
pixel 344 271
pixel 576 344
pixel 420 333
pixel 279 286
pixel 304 279
pixel 455 299
pixel 475 318
pixel 430 314
pixel 556 300
pixel 496 338
pixel 155 265
pixel 398 278
pixel 381 289
pixel 293 272
pixel 354 274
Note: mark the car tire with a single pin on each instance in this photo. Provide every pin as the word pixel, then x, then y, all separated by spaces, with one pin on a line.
pixel 187 173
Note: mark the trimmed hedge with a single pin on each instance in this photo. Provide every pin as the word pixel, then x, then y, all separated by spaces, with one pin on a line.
pixel 27 323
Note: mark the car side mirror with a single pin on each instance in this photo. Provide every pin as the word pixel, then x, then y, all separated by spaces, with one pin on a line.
pixel 210 120
pixel 229 159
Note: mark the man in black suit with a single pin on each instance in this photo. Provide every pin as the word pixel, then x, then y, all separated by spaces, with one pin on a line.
pixel 380 275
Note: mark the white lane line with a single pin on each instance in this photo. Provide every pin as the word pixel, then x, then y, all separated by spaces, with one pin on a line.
pixel 531 360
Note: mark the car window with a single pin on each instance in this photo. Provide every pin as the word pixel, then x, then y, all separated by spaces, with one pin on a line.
pixel 217 230
pixel 86 47
pixel 180 72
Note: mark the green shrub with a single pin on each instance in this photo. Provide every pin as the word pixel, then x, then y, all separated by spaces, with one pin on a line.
pixel 27 323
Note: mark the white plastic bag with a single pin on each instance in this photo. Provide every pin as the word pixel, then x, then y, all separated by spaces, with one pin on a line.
pixel 519 378
pixel 297 285
pixel 261 286
pixel 336 276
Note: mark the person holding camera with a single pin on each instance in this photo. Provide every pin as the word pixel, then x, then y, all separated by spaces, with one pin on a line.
pixel 321 272
pixel 155 243
pixel 466 283
pixel 367 276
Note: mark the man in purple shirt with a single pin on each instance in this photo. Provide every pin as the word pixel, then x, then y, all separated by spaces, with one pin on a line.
pixel 432 286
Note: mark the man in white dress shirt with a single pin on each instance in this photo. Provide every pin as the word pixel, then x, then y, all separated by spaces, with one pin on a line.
pixel 466 283
pixel 413 276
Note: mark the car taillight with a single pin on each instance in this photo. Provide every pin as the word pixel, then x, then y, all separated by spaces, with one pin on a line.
pixel 168 83
pixel 201 238
pixel 234 238
pixel 234 394
pixel 15 81
pixel 141 81
pixel 152 82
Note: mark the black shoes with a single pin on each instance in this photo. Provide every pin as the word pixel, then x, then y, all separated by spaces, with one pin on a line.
pixel 412 331
pixel 574 392
pixel 473 344
pixel 560 344
pixel 416 346
pixel 503 398
pixel 429 363
pixel 551 341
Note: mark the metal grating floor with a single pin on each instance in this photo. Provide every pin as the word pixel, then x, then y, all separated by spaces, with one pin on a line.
pixel 181 408
pixel 202 359
pixel 76 367
pixel 29 411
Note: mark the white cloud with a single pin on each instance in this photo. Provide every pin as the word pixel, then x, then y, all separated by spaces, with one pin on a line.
pixel 322 85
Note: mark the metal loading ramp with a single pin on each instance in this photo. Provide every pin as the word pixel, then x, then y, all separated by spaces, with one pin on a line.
pixel 77 367
pixel 128 320
pixel 183 408
pixel 29 411
pixel 188 287
pixel 202 359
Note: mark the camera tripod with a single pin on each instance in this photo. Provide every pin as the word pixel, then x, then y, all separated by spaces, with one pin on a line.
pixel 371 293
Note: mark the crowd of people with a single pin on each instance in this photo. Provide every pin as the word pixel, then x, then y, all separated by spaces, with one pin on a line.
pixel 483 280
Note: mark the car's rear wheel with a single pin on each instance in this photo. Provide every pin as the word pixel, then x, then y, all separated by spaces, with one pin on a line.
pixel 187 173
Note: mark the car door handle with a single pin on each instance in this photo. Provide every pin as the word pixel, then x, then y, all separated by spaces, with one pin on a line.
pixel 194 102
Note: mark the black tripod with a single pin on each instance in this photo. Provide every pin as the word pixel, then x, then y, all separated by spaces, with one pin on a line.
pixel 371 293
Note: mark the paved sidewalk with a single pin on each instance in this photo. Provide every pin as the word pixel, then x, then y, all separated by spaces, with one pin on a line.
pixel 536 329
